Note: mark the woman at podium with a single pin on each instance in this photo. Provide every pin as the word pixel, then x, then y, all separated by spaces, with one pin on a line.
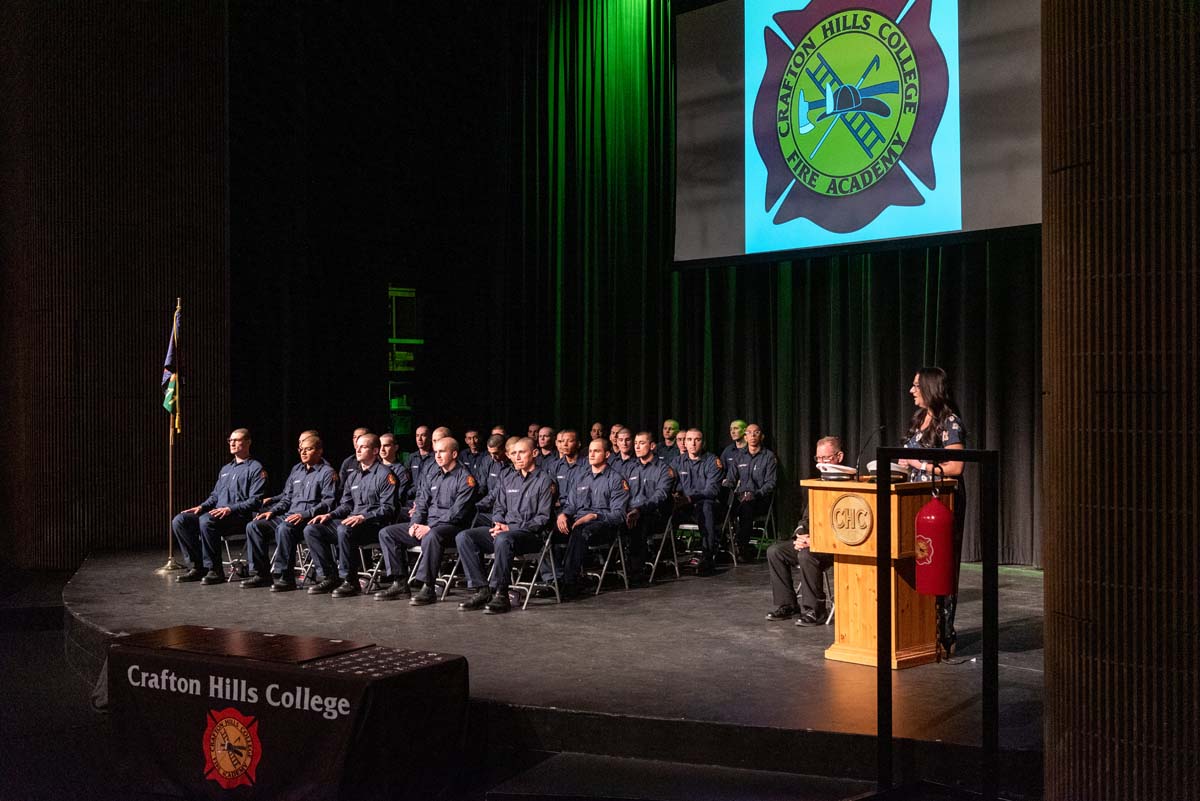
pixel 935 424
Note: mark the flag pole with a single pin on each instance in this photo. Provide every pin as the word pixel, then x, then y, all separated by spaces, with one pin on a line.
pixel 171 564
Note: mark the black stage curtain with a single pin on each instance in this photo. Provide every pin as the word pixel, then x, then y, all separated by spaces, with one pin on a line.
pixel 530 203
pixel 805 348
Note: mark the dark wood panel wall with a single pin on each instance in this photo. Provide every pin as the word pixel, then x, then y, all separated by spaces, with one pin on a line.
pixel 1121 292
pixel 112 204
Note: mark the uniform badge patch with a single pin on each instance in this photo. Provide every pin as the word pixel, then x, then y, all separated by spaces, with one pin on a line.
pixel 470 480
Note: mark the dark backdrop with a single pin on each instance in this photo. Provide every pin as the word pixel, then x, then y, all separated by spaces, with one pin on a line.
pixel 514 166
pixel 112 204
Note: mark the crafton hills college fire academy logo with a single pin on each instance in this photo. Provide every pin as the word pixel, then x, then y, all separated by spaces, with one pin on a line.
pixel 848 98
pixel 232 749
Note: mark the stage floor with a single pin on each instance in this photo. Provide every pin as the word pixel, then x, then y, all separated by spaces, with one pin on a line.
pixel 695 649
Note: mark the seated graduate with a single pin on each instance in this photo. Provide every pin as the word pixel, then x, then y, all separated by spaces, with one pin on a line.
pixel 666 449
pixel 445 506
pixel 487 473
pixel 680 446
pixel 368 503
pixel 782 557
pixel 524 503
pixel 351 461
pixel 700 476
pixel 593 510
pixel 622 458
pixel 475 450
pixel 234 499
pixel 737 444
pixel 755 472
pixel 651 485
pixel 389 454
pixel 545 450
pixel 416 462
pixel 310 490
pixel 568 466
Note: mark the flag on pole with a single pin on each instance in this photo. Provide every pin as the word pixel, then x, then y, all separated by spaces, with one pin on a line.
pixel 170 375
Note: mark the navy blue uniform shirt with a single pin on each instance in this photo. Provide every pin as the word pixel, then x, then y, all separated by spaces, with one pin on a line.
pixel 488 474
pixel 370 493
pixel 308 491
pixel 700 479
pixel 650 485
pixel 525 502
pixel 469 460
pixel 239 486
pixel 565 474
pixel 729 458
pixel 403 480
pixel 756 472
pixel 622 465
pixel 447 497
pixel 605 494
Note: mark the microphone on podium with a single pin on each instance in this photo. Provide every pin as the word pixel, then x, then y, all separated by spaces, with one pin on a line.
pixel 858 462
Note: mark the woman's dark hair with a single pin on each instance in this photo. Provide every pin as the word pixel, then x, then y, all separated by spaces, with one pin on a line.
pixel 931 381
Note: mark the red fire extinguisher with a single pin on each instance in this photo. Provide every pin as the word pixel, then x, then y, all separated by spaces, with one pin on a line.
pixel 935 548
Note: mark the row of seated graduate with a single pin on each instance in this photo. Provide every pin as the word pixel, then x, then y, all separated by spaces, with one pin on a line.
pixel 500 500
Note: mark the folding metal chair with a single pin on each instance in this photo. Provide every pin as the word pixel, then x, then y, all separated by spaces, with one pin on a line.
pixel 444 579
pixel 764 526
pixel 304 563
pixel 619 547
pixel 238 568
pixel 370 573
pixel 667 535
pixel 520 561
pixel 828 584
pixel 828 594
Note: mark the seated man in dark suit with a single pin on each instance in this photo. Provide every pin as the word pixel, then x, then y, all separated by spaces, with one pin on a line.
pixel 782 557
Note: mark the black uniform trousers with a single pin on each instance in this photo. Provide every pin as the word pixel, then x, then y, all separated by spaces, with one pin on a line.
pixel 199 536
pixel 475 542
pixel 577 545
pixel 745 512
pixel 703 513
pixel 395 542
pixel 323 538
pixel 649 524
pixel 286 537
pixel 782 557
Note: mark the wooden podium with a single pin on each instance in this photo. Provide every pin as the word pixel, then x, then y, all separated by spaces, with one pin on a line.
pixel 842 517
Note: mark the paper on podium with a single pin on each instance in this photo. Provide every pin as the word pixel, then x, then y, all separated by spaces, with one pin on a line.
pixel 896 469
pixel 836 472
